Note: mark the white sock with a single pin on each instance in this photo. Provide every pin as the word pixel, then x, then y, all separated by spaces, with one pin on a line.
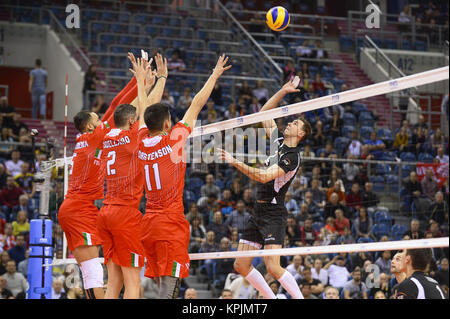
pixel 255 278
pixel 288 282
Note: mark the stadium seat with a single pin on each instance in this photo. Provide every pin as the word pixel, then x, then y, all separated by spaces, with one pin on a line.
pixel 317 226
pixel 349 119
pixel 366 119
pixel 408 157
pixel 364 240
pixel 383 169
pixel 380 230
pixel 392 183
pixel 397 231
pixel 378 183
pixel 382 217
pixel 340 144
pixel 365 132
pixel 425 158
pixel 388 156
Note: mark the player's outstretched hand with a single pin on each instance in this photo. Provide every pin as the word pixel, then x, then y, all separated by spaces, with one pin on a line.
pixel 220 66
pixel 140 67
pixel 225 156
pixel 161 66
pixel 291 86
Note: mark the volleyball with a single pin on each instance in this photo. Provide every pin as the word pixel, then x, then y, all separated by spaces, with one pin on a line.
pixel 278 18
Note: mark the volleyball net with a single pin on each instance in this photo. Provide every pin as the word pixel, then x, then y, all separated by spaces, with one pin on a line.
pixel 245 138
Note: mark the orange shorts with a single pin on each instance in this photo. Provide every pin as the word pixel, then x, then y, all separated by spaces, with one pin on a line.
pixel 165 238
pixel 118 227
pixel 78 220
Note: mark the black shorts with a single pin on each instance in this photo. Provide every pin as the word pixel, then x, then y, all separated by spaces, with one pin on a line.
pixel 267 225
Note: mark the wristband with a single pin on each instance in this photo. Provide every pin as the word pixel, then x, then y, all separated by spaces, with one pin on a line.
pixel 161 76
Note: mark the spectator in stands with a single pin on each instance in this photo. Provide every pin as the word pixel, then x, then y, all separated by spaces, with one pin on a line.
pixel 100 106
pixel 336 126
pixel 312 207
pixel 421 123
pixel 17 253
pixel 4 258
pixel 328 233
pixel 351 171
pixel 185 100
pixel 441 274
pixel 21 225
pixel 6 111
pixel 354 288
pixel 168 99
pixel 220 230
pixel 15 281
pixel 194 212
pixel 308 234
pixel 25 180
pixel 9 196
pixel 418 141
pixel 290 204
pixel 363 224
pixel 333 205
pixel 25 206
pixel 413 188
pixel 22 267
pixel 226 203
pixel 5 293
pixel 319 196
pixel 414 232
pixel 224 266
pixel 58 291
pixel 439 209
pixel 241 289
pixel 7 240
pixel 198 234
pixel 14 165
pixel 354 197
pixel 318 272
pixel 337 272
pixel 226 294
pixel 260 92
pixel 375 145
pixel 341 222
pixel 175 63
pixel 401 140
pixel 437 140
pixel 429 185
pixel 338 189
pixel 190 293
pixel 238 218
pixel 404 20
pixel 232 111
pixel 346 237
pixel 209 187
pixel 289 71
pixel 433 230
pixel 91 80
pixel 384 262
pixel 331 293
pixel 443 158
pixel 316 286
pixel 369 198
pixel 245 92
pixel 37 86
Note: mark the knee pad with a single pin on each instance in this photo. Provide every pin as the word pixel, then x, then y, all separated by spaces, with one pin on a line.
pixel 92 272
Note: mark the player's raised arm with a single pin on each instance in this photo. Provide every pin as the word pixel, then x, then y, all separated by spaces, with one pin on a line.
pixel 161 77
pixel 202 97
pixel 140 71
pixel 256 174
pixel 290 87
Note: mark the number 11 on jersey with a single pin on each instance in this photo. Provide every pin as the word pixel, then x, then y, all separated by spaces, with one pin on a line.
pixel 157 178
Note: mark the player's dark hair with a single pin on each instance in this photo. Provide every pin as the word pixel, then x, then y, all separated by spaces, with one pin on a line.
pixel 420 258
pixel 81 120
pixel 38 62
pixel 306 127
pixel 123 113
pixel 155 115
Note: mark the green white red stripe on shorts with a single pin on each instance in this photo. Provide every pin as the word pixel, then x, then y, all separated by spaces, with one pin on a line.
pixel 176 267
pixel 87 239
pixel 134 260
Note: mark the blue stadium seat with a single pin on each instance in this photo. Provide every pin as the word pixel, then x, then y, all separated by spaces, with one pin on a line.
pixel 366 119
pixel 390 44
pixel 388 156
pixel 380 230
pixel 347 130
pixel 382 217
pixel 425 158
pixel 340 144
pixel 397 231
pixel 408 157
pixel 406 45
pixel 364 240
pixel 365 132
pixel 420 45
pixel 349 119
pixel 383 169
pixel 378 183
pixel 319 151
pixel 392 183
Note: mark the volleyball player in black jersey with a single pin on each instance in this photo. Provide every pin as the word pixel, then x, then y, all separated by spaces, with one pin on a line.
pixel 267 226
pixel 417 285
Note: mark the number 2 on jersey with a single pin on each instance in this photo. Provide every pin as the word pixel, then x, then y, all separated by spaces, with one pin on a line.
pixel 111 171
pixel 157 178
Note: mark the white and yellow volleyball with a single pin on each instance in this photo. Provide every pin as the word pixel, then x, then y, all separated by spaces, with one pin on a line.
pixel 277 18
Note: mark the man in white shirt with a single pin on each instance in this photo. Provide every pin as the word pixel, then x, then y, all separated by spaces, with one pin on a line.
pixel 14 165
pixel 58 289
pixel 319 273
pixel 293 268
pixel 337 273
pixel 441 157
pixel 355 145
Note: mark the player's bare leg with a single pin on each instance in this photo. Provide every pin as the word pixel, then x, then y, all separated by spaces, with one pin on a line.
pixel 244 267
pixel 282 275
pixel 132 282
pixel 91 269
pixel 115 281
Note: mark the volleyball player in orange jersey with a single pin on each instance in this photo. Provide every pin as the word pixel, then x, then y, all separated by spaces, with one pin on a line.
pixel 164 228
pixel 78 214
pixel 119 219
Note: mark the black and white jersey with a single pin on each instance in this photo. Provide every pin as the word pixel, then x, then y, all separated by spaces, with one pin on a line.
pixel 288 159
pixel 419 286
